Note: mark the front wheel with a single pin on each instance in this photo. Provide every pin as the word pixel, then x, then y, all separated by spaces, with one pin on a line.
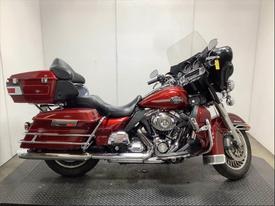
pixel 71 168
pixel 238 159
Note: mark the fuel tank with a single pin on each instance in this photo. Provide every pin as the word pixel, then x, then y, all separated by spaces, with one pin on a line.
pixel 169 97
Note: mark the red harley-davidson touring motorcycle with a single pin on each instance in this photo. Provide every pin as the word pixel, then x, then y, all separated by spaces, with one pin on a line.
pixel 74 130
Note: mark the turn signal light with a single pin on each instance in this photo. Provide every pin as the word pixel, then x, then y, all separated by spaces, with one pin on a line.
pixel 27 126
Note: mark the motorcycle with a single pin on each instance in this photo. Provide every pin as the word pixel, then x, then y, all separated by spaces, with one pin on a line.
pixel 74 130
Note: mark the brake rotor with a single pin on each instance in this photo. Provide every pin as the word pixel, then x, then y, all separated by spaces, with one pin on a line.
pixel 237 152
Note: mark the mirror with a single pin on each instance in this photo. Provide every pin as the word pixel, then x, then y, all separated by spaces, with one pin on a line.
pixel 212 44
pixel 154 74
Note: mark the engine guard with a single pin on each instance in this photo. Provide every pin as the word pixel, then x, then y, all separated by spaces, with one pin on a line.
pixel 216 155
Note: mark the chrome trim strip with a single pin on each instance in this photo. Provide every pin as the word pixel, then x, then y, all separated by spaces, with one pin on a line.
pixel 161 100
pixel 56 134
pixel 63 123
pixel 214 159
pixel 51 142
pixel 241 126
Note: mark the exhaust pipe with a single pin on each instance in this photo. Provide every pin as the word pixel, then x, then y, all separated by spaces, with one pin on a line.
pixel 118 157
pixel 123 157
pixel 25 154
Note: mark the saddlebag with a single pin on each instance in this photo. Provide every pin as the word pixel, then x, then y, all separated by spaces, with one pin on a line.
pixel 60 129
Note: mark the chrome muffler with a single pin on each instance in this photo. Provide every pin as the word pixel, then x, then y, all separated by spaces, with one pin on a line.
pixel 118 157
pixel 25 154
pixel 145 157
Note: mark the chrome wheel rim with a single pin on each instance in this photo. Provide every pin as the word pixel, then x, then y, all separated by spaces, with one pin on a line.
pixel 236 156
pixel 71 164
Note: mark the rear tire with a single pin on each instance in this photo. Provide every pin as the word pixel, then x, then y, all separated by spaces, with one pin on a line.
pixel 71 168
pixel 233 169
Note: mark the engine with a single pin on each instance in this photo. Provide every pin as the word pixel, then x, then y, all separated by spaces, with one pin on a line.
pixel 168 132
pixel 168 128
pixel 163 121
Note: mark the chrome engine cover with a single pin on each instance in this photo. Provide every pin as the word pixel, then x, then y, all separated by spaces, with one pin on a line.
pixel 163 121
pixel 136 146
pixel 163 147
pixel 119 137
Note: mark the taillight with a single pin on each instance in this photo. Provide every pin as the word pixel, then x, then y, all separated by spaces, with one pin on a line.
pixel 13 87
pixel 14 90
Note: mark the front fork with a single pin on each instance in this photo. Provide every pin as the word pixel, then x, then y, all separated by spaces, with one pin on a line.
pixel 227 121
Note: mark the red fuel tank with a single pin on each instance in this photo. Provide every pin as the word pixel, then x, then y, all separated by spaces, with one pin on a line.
pixel 170 97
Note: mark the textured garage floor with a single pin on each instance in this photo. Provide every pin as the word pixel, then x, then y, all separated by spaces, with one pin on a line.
pixel 189 183
pixel 257 150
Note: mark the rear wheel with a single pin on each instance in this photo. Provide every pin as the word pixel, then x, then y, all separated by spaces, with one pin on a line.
pixel 71 168
pixel 238 159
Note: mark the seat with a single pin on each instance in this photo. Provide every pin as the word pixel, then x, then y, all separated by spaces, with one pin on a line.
pixel 64 71
pixel 104 108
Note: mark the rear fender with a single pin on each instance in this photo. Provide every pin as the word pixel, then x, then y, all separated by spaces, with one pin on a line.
pixel 216 155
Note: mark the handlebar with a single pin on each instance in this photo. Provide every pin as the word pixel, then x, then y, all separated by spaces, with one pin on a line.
pixel 152 81
pixel 160 78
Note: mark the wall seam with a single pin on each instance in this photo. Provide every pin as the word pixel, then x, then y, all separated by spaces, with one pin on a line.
pixel 254 63
pixel 116 54
pixel 42 36
pixel 194 15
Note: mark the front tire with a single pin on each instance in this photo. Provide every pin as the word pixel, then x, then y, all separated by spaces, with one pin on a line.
pixel 238 159
pixel 71 168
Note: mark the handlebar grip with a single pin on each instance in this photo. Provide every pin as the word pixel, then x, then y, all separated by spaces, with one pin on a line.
pixel 152 81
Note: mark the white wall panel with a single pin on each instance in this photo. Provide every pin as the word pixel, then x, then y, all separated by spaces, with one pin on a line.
pixel 262 105
pixel 21 49
pixel 235 24
pixel 5 144
pixel 83 34
pixel 145 29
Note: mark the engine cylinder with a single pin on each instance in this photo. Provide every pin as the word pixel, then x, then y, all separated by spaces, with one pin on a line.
pixel 163 121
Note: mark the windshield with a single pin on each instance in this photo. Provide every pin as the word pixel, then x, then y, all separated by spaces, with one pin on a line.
pixel 185 48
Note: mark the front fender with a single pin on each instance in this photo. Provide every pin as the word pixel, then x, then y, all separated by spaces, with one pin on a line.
pixel 238 122
pixel 218 129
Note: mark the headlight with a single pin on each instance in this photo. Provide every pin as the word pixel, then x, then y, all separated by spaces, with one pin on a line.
pixel 230 85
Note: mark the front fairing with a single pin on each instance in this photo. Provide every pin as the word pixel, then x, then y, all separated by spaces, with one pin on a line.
pixel 186 48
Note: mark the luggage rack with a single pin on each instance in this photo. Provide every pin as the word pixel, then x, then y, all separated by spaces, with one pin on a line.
pixel 37 134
